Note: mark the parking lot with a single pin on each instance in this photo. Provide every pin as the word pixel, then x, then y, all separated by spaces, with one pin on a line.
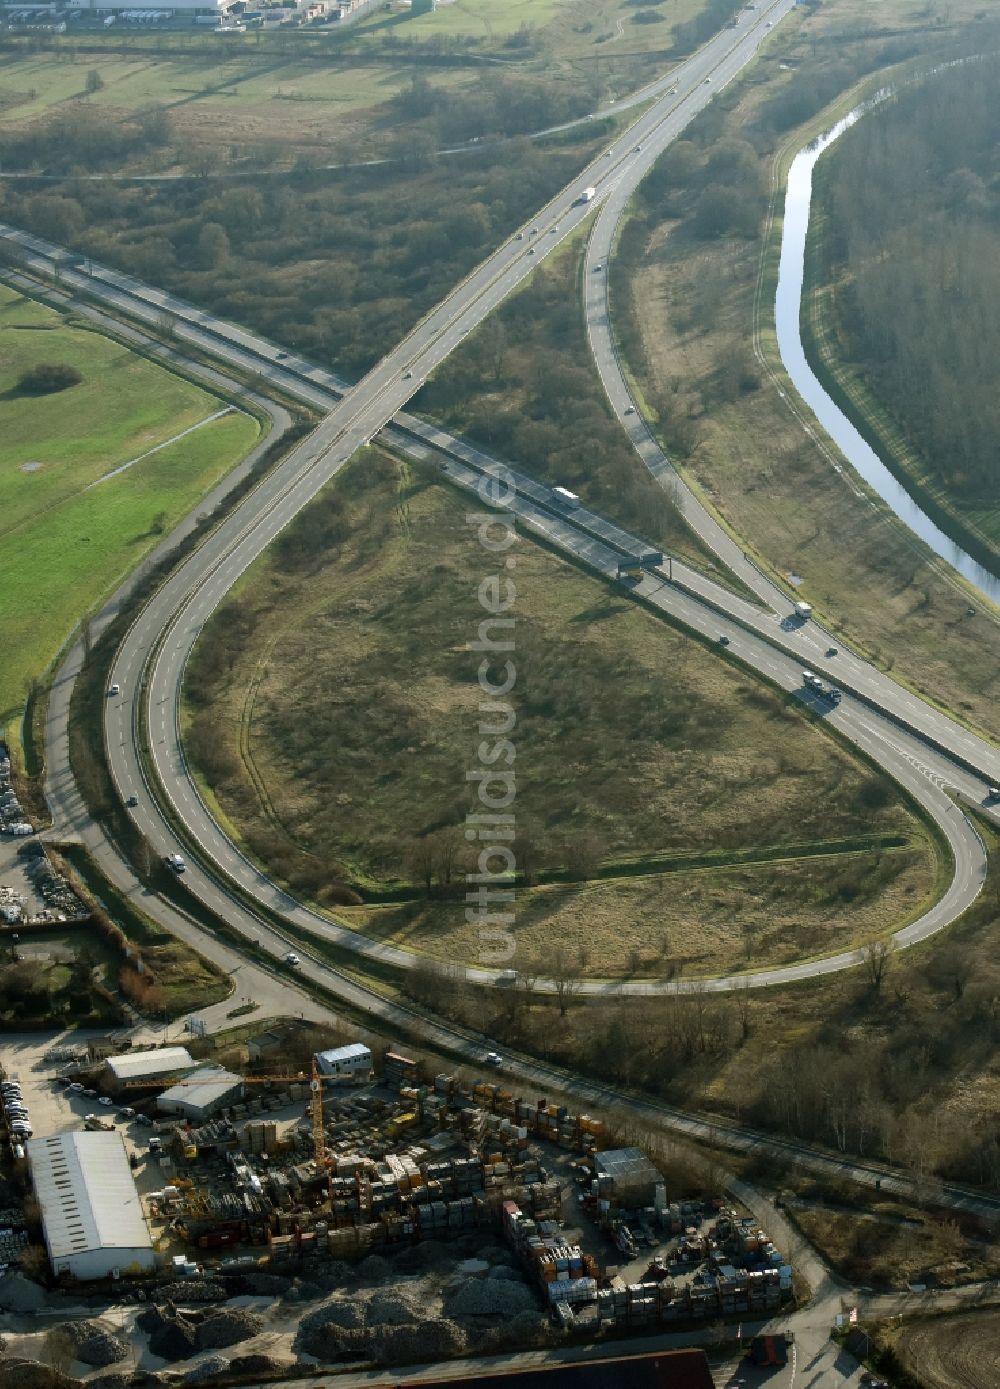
pixel 25 1058
pixel 14 874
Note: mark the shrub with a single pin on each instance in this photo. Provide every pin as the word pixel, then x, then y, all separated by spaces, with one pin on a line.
pixel 47 378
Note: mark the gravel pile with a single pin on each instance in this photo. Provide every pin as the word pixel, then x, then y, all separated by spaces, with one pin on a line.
pixel 29 1374
pixel 489 1297
pixel 386 1307
pixel 227 1327
pixel 193 1290
pixel 420 1258
pixel 264 1285
pixel 174 1341
pixel 151 1319
pixel 208 1370
pixel 19 1294
pixel 404 1345
pixel 176 1334
pixel 330 1343
pixel 348 1316
pixel 94 1345
pixel 243 1366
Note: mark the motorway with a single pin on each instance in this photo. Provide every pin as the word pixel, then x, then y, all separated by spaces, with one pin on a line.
pixel 166 627
pixel 767 640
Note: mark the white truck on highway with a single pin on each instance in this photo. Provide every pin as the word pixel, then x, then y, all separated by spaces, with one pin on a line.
pixel 803 610
pixel 588 195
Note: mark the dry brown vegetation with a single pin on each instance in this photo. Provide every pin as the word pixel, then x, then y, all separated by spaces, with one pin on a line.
pixel 890 1245
pixel 898 1065
pixel 685 297
pixel 348 710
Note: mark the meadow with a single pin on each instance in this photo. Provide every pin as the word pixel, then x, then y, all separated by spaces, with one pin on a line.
pixel 66 540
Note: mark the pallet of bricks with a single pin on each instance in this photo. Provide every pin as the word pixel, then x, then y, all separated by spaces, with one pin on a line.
pixel 563 1271
pixel 346 1185
pixel 639 1304
pixel 578 1132
pixel 399 1070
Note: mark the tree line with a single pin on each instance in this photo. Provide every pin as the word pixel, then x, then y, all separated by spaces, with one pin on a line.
pixel 911 197
pixel 335 265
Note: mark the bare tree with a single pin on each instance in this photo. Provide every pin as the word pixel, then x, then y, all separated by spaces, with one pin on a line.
pixel 741 997
pixel 447 845
pixel 420 861
pixel 559 968
pixel 145 858
pixel 877 955
pixel 962 968
pixel 584 855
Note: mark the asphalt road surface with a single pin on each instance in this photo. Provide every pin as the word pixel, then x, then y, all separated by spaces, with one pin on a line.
pixel 179 609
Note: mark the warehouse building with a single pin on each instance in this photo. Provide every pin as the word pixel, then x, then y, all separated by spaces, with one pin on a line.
pixel 162 7
pixel 145 1066
pixel 91 1211
pixel 201 1094
pixel 627 1175
pixel 350 1063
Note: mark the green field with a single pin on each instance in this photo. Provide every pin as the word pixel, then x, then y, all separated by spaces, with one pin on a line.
pixel 63 543
pixel 197 86
pixel 569 26
pixel 296 89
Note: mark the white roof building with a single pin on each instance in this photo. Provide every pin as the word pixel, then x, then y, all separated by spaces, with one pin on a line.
pixel 203 1093
pixel 353 1062
pixel 91 1211
pixel 148 1065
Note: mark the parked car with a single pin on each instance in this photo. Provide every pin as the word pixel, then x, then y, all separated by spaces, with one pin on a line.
pixel 90 1094
pixel 76 1088
pixel 105 1101
pixel 493 1058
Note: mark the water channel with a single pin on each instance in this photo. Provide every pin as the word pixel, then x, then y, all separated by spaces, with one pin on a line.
pixel 787 307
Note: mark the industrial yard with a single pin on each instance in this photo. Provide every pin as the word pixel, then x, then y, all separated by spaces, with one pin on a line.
pixel 359 1210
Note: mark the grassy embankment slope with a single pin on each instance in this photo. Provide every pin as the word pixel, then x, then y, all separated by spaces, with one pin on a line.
pixel 334 710
pixel 699 302
pixel 65 543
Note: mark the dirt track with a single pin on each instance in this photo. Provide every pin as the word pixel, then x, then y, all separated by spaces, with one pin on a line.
pixel 961 1352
